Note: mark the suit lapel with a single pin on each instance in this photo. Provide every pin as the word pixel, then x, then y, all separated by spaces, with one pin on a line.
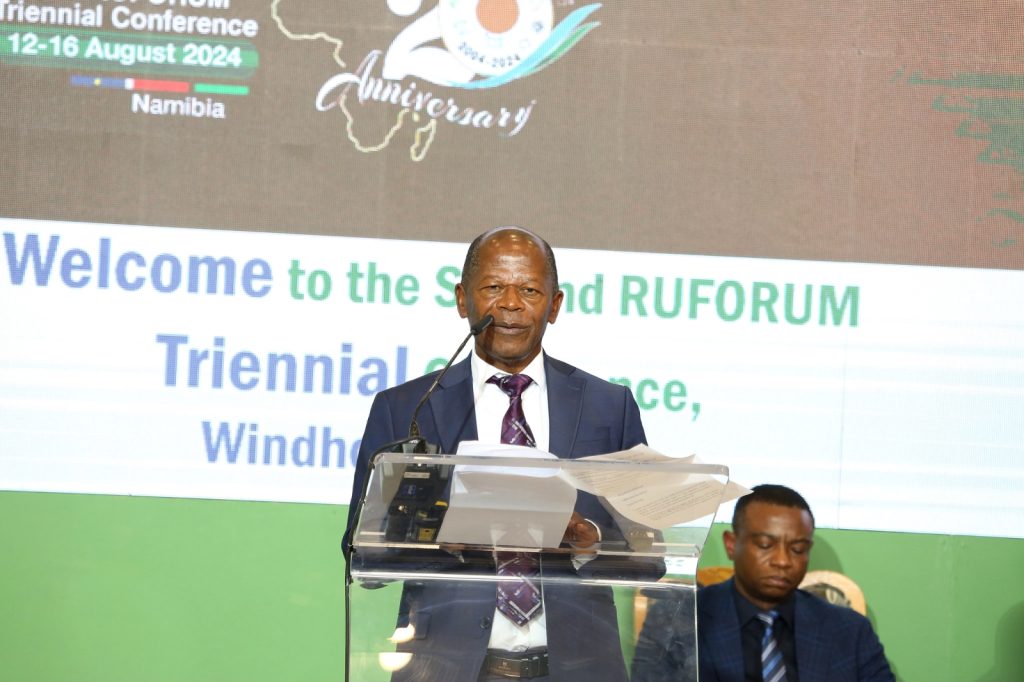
pixel 565 406
pixel 724 629
pixel 451 407
pixel 811 645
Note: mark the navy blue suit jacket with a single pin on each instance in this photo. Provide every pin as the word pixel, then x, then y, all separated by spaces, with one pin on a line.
pixel 587 416
pixel 833 643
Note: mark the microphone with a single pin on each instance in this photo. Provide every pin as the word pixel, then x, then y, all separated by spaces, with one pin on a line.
pixel 414 427
pixel 425 482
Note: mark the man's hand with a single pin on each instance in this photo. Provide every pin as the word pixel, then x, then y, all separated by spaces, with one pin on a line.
pixel 581 533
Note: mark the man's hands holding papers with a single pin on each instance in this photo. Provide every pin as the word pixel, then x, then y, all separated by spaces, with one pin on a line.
pixel 513 503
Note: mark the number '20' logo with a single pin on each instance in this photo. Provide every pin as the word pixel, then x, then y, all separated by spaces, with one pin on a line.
pixel 486 44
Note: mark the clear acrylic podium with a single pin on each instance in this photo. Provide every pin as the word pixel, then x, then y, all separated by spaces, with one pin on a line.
pixel 421 579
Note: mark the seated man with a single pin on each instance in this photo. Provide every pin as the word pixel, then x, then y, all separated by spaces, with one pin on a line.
pixel 758 625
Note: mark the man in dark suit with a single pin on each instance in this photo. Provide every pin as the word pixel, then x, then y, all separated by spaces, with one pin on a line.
pixel 510 273
pixel 759 625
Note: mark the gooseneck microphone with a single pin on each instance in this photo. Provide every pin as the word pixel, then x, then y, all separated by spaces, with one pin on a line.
pixel 422 476
pixel 414 513
pixel 482 324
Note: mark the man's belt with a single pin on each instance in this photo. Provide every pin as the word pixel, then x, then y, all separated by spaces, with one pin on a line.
pixel 533 663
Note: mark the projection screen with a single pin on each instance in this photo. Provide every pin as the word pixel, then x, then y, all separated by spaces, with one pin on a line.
pixel 795 230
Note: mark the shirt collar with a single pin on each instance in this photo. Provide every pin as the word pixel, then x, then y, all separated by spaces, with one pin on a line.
pixel 746 611
pixel 483 370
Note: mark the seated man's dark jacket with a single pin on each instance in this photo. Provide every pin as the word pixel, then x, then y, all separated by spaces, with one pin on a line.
pixel 833 643
pixel 452 619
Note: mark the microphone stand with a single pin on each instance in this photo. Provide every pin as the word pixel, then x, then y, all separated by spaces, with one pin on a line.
pixel 422 447
pixel 413 443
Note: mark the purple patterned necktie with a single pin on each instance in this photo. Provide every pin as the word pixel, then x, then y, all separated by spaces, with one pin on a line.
pixel 514 429
pixel 518 596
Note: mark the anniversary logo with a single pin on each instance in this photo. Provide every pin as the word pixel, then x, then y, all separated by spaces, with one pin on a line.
pixel 437 64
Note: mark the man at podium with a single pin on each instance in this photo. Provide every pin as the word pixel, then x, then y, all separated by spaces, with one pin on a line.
pixel 509 391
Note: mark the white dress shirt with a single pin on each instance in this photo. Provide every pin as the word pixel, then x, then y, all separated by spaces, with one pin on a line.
pixel 491 405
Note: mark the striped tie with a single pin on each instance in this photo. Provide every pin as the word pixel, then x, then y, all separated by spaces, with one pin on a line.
pixel 772 667
pixel 518 595
pixel 514 429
